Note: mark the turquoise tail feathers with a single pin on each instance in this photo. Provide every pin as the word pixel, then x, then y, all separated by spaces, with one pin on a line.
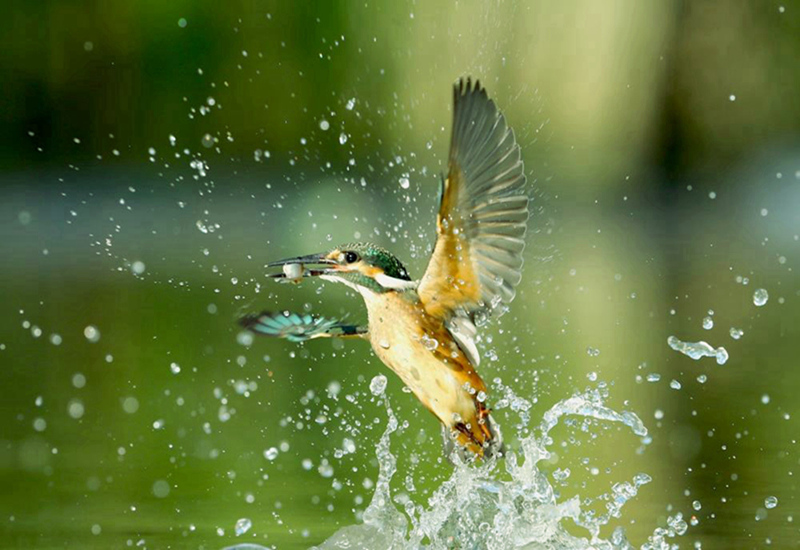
pixel 298 327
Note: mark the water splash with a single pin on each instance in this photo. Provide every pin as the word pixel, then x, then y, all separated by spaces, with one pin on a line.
pixel 697 350
pixel 479 506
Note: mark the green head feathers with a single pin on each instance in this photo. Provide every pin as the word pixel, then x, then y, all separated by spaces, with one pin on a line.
pixel 378 257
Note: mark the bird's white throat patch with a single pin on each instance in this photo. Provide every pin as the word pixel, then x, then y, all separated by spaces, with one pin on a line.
pixel 394 283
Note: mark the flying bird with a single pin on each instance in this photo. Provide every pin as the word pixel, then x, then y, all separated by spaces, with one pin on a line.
pixel 424 330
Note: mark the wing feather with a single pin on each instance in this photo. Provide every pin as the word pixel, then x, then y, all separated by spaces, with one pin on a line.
pixel 477 261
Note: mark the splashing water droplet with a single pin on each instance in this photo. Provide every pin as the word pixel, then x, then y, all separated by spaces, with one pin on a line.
pixel 770 502
pixel 271 453
pixel 378 385
pixel 465 511
pixel 92 333
pixel 696 350
pixel 242 526
pixel 760 297
pixel 708 323
pixel 736 333
pixel 429 343
pixel 342 138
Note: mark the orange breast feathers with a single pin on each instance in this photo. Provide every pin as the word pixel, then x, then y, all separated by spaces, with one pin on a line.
pixel 447 350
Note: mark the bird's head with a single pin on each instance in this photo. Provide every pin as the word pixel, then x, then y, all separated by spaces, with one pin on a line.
pixel 362 266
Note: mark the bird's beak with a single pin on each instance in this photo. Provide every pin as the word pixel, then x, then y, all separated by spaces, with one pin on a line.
pixel 302 266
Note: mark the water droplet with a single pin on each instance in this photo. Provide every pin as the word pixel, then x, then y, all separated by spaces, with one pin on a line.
pixel 324 125
pixel 675 385
pixel 561 475
pixel 653 377
pixel 770 502
pixel 760 297
pixel 429 343
pixel 384 344
pixel 242 526
pixel 696 350
pixel 677 524
pixel 708 323
pixel 130 405
pixel 342 138
pixel 404 182
pixel 334 387
pixel 92 333
pixel 765 399
pixel 75 409
pixel 78 380
pixel 161 488
pixel 350 104
pixel 271 453
pixel 736 333
pixel 592 352
pixel 378 385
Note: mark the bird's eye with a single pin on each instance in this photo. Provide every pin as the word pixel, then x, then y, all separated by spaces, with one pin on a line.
pixel 350 257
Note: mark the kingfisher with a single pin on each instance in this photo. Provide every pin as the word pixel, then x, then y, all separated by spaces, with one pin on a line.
pixel 425 330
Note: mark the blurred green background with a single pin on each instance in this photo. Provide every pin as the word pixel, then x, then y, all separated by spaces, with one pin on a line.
pixel 155 155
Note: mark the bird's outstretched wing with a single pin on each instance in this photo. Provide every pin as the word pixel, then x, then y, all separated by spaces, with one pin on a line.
pixel 298 328
pixel 477 261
